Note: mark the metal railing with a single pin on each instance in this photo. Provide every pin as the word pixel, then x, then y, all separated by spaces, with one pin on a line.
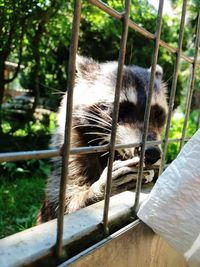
pixel 116 112
pixel 148 102
pixel 127 23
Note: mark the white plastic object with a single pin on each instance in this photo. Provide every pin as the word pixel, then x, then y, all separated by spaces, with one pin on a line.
pixel 172 209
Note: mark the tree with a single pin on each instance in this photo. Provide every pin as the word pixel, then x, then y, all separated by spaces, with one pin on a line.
pixel 46 38
pixel 13 21
pixel 20 21
pixel 50 51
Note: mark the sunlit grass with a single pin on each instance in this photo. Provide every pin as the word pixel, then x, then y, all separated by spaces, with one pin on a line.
pixel 20 201
pixel 22 183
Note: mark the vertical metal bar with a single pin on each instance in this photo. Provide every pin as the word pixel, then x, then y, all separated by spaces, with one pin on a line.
pixel 191 84
pixel 121 60
pixel 68 123
pixel 174 83
pixel 148 103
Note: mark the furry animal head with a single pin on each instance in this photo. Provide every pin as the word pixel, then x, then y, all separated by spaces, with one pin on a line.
pixel 93 105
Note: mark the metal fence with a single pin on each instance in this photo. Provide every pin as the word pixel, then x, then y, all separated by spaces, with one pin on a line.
pixel 126 23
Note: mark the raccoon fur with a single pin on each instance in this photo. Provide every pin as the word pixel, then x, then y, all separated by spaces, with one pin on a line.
pixel 91 126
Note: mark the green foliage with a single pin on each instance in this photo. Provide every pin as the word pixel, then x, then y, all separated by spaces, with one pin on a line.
pixel 43 125
pixel 38 125
pixel 46 39
pixel 20 170
pixel 99 38
pixel 51 53
pixel 19 204
pixel 176 132
pixel 13 16
pixel 21 132
pixel 22 183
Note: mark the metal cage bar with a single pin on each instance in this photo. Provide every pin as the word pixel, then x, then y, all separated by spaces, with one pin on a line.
pixel 27 155
pixel 191 84
pixel 68 124
pixel 148 102
pixel 121 60
pixel 44 154
pixel 110 11
pixel 174 84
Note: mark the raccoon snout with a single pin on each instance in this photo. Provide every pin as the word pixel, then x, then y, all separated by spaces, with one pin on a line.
pixel 152 154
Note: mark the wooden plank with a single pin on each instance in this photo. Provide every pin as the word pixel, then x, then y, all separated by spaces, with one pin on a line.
pixel 138 246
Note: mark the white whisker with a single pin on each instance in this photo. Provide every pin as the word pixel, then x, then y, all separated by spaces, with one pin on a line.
pixel 98 122
pixel 92 117
pixel 98 133
pixel 91 125
pixel 95 139
pixel 104 154
pixel 100 138
pixel 102 111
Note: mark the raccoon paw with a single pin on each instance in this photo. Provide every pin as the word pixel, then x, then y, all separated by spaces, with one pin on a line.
pixel 119 169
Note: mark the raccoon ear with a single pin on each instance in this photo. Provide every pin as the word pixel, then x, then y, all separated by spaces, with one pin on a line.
pixel 158 72
pixel 86 67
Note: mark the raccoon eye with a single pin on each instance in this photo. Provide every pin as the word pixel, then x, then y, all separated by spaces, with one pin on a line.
pixel 157 116
pixel 126 112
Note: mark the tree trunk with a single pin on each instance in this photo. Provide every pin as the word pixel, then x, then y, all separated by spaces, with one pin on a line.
pixel 2 89
pixel 2 81
pixel 36 77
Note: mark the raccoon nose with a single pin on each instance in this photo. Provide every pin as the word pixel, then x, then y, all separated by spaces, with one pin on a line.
pixel 152 154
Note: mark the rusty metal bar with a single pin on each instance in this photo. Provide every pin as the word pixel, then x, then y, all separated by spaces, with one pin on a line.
pixel 174 84
pixel 148 103
pixel 110 11
pixel 191 83
pixel 68 124
pixel 43 154
pixel 27 155
pixel 121 60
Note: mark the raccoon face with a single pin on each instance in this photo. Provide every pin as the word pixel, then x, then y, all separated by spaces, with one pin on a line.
pixel 93 106
pixel 131 113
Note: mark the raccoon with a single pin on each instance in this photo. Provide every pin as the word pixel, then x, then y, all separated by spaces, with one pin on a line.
pixel 91 126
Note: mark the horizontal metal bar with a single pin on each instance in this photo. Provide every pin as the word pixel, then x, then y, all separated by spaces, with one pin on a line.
pixel 43 154
pixel 27 155
pixel 119 16
pixel 148 143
